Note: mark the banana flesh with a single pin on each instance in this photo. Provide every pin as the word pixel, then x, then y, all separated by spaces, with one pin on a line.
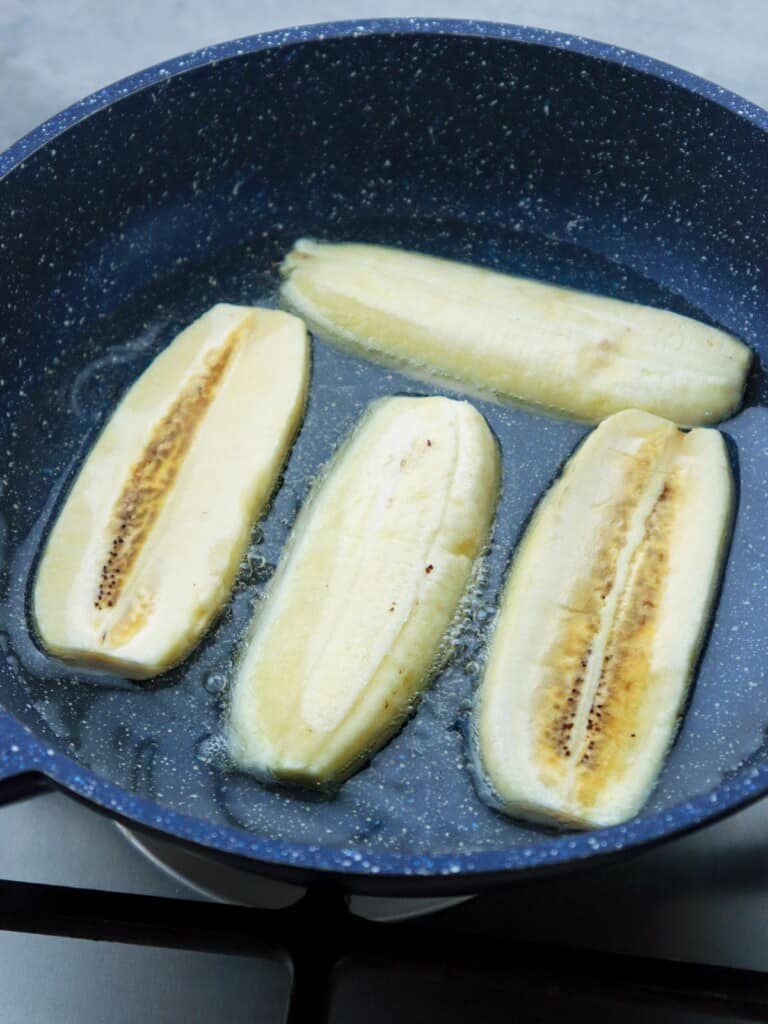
pixel 147 545
pixel 601 622
pixel 582 355
pixel 370 580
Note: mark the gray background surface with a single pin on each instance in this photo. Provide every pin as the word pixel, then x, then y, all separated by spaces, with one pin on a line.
pixel 53 52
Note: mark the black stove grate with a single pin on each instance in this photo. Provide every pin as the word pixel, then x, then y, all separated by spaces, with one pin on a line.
pixel 317 935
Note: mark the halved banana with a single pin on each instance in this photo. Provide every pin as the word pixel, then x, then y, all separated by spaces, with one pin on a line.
pixel 370 580
pixel 580 354
pixel 601 623
pixel 146 548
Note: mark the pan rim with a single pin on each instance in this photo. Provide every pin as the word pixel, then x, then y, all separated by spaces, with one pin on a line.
pixel 12 157
pixel 457 872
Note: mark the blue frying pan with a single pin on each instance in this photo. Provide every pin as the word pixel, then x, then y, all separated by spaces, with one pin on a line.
pixel 133 211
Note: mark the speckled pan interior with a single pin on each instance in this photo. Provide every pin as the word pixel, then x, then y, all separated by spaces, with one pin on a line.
pixel 544 155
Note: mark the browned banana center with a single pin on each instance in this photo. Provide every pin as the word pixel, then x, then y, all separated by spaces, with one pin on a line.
pixel 615 723
pixel 567 662
pixel 152 476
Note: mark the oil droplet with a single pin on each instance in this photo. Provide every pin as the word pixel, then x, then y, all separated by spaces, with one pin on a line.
pixel 54 718
pixel 212 750
pixel 255 567
pixel 215 682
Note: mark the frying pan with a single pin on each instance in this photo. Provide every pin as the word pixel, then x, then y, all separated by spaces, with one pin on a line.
pixel 134 210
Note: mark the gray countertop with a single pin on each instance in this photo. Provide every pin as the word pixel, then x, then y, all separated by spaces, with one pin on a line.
pixel 53 52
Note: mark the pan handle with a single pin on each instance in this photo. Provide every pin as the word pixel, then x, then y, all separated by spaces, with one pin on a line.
pixel 20 775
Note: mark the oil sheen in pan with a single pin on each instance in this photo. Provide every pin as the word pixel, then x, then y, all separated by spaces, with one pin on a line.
pixel 162 739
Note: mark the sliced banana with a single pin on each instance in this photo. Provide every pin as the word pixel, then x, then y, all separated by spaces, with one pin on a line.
pixel 146 548
pixel 370 580
pixel 569 351
pixel 601 622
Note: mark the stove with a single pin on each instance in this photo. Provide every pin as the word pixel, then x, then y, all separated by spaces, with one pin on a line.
pixel 678 934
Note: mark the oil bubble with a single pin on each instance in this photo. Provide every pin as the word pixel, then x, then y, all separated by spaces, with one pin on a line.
pixel 215 682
